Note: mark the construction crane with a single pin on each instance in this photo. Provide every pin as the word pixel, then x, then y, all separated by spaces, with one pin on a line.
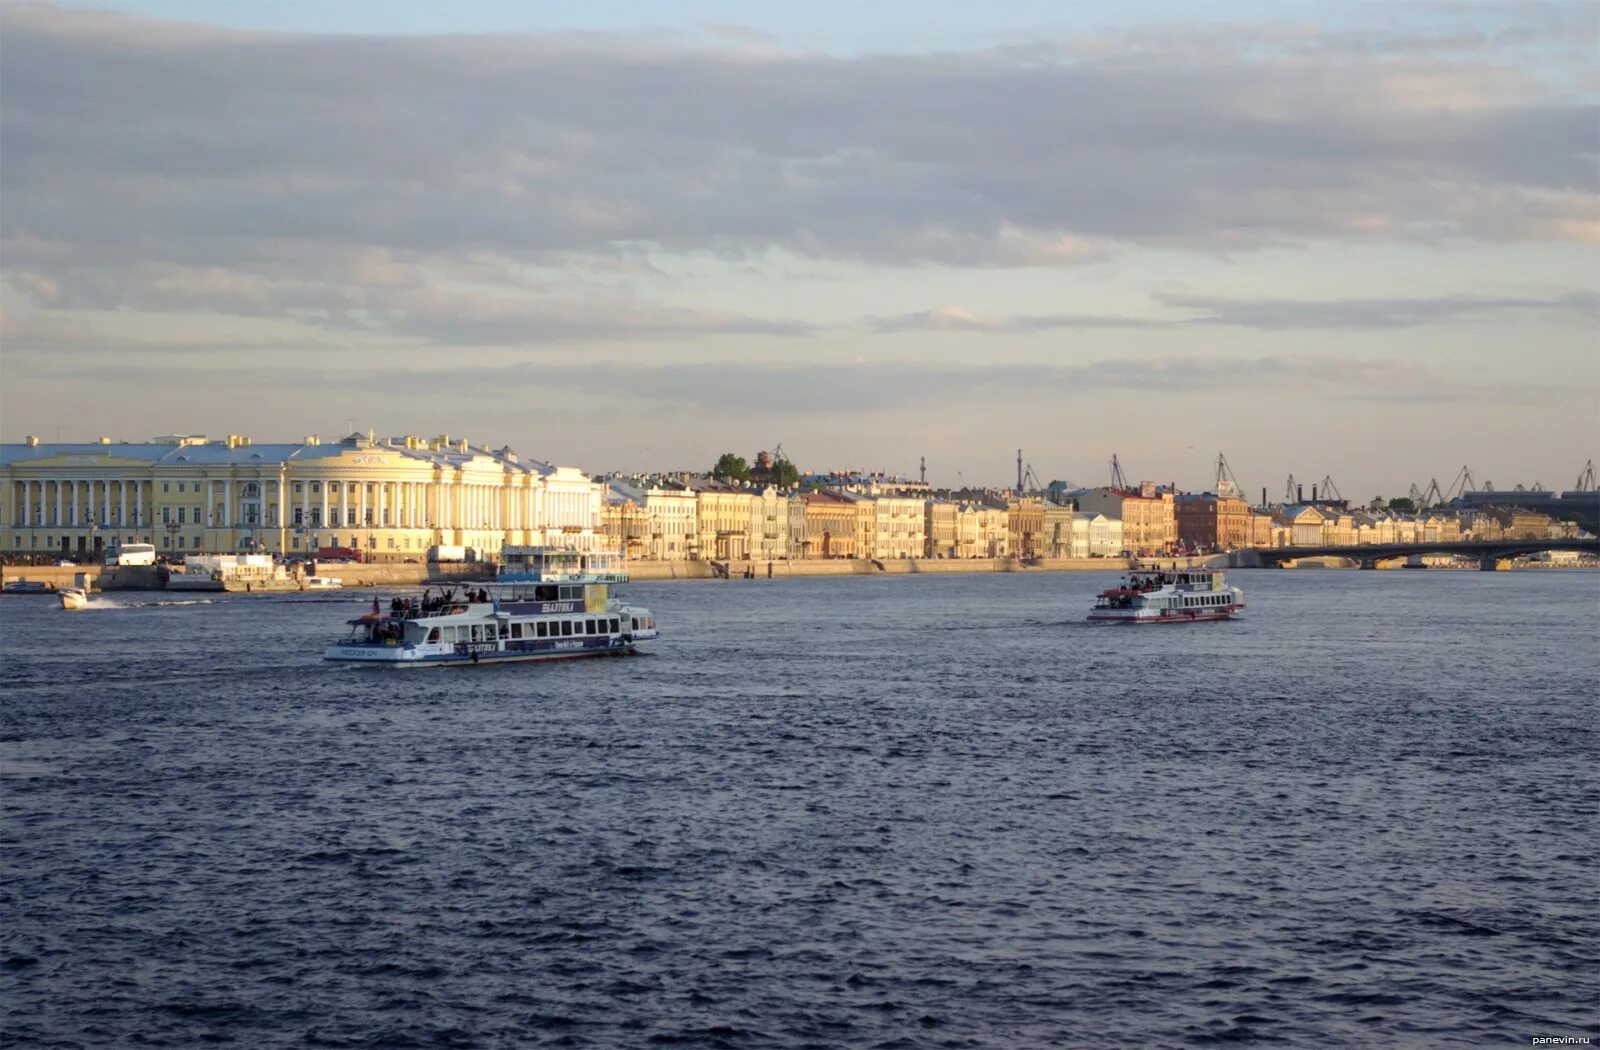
pixel 1289 495
pixel 1432 497
pixel 1463 484
pixel 1030 481
pixel 1586 479
pixel 1118 480
pixel 1326 486
pixel 1225 478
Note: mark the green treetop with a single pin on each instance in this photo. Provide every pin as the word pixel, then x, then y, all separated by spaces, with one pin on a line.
pixel 731 468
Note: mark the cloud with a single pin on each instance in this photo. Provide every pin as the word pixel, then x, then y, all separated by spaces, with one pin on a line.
pixel 1279 314
pixel 477 190
pixel 1181 309
pixel 886 386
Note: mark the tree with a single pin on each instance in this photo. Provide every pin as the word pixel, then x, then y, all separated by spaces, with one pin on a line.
pixel 1402 505
pixel 785 475
pixel 731 468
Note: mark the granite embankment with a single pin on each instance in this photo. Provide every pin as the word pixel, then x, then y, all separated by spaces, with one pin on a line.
pixel 413 575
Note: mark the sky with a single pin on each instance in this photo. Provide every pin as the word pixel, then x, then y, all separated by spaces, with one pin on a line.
pixel 1349 240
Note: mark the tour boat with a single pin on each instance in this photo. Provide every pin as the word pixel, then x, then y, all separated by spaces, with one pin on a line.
pixel 546 604
pixel 323 583
pixel 28 587
pixel 74 598
pixel 1169 596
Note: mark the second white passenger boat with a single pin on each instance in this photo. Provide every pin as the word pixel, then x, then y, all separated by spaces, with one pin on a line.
pixel 546 604
pixel 1169 596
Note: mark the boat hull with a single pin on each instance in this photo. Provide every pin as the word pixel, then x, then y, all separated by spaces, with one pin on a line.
pixel 397 657
pixel 1166 615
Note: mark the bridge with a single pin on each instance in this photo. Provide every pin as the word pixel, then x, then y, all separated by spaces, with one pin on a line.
pixel 1491 554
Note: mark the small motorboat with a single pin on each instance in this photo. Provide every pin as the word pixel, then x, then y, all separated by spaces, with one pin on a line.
pixel 74 598
pixel 323 583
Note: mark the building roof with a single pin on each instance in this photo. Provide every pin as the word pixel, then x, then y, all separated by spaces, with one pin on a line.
pixel 240 452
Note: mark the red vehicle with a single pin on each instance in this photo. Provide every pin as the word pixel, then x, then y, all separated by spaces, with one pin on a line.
pixel 339 554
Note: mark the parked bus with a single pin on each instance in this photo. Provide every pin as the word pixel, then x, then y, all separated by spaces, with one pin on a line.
pixel 132 554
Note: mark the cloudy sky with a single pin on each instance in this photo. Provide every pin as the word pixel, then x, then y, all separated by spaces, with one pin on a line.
pixel 1324 239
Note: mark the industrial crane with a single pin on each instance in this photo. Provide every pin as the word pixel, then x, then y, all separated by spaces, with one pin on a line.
pixel 1118 481
pixel 1463 484
pixel 1225 478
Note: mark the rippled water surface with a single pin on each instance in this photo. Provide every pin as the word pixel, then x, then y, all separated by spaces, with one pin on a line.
pixel 893 812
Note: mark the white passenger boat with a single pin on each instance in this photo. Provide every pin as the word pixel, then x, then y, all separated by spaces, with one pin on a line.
pixel 323 583
pixel 1169 596
pixel 74 598
pixel 546 604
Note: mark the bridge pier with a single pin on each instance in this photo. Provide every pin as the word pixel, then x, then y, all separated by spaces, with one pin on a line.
pixel 1489 563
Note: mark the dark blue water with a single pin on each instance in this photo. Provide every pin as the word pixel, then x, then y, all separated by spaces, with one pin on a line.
pixel 892 812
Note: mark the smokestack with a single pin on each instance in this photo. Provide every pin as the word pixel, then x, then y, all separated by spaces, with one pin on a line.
pixel 1263 496
pixel 1299 493
pixel 1313 494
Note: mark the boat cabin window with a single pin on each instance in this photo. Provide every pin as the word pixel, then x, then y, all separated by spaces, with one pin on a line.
pixel 505 630
pixel 616 625
pixel 588 627
pixel 433 635
pixel 516 630
pixel 566 627
pixel 635 623
pixel 539 629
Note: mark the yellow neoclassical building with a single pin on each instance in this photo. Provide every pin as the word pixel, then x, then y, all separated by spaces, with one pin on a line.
pixel 393 498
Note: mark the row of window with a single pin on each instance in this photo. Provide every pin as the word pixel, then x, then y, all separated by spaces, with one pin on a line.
pixel 1208 599
pixel 486 632
pixel 50 541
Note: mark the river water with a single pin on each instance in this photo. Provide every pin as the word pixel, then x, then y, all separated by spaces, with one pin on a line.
pixel 863 812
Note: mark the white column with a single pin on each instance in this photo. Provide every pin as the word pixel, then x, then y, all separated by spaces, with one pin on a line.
pixel 138 502
pixel 211 503
pixel 305 504
pixel 227 505
pixel 324 505
pixel 283 502
pixel 122 504
pixel 383 503
pixel 61 511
